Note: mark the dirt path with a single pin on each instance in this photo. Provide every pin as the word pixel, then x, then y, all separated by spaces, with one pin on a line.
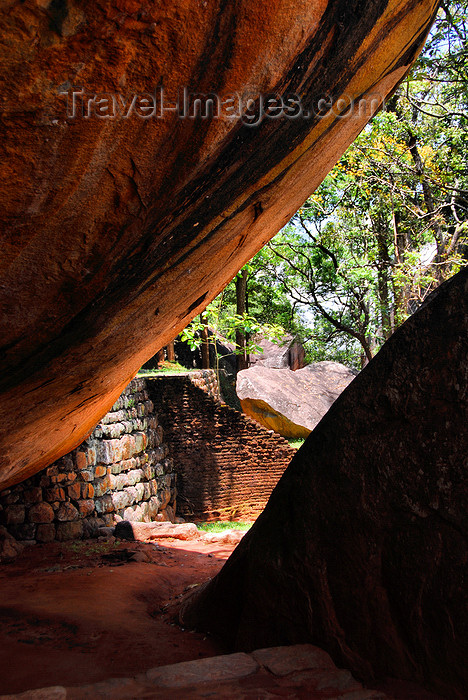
pixel 75 613
pixel 69 616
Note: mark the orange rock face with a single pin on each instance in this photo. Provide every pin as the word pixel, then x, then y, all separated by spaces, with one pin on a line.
pixel 123 214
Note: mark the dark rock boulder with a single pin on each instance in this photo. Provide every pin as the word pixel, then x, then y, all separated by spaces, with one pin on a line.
pixel 223 359
pixel 291 403
pixel 9 547
pixel 362 548
pixel 125 207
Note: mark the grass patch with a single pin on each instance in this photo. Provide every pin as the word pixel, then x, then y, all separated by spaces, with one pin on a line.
pixel 85 548
pixel 222 526
pixel 164 368
pixel 296 442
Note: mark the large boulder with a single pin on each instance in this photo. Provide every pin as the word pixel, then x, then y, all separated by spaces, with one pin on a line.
pixel 362 548
pixel 123 212
pixel 291 403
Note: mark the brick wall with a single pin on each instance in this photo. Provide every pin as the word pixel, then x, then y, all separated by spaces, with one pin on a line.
pixel 227 464
pixel 121 471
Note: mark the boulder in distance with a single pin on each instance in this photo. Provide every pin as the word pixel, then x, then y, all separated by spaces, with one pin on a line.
pixel 288 353
pixel 291 403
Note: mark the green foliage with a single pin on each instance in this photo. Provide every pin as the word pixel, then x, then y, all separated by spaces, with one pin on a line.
pixel 296 442
pixel 267 301
pixel 224 323
pixel 387 225
pixel 219 526
pixel 89 549
pixel 165 367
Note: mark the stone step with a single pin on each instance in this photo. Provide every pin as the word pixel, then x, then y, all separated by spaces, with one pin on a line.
pixel 300 671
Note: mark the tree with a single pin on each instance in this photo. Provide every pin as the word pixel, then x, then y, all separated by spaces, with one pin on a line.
pixel 390 221
pixel 241 309
pixel 217 324
pixel 388 224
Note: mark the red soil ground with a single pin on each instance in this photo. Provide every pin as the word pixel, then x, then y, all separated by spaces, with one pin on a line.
pixel 70 616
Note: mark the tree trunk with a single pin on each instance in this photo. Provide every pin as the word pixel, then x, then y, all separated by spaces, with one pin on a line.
pixel 159 357
pixel 205 348
pixel 380 231
pixel 170 353
pixel 368 349
pixel 401 293
pixel 430 203
pixel 241 303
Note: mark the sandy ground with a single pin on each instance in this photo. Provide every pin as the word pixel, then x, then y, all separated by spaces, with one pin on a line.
pixel 70 616
pixel 80 612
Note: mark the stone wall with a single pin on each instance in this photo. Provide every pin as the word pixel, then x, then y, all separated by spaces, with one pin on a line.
pixel 227 464
pixel 121 471
pixel 204 379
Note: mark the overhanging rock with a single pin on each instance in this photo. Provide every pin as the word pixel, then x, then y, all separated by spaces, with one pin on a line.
pixel 119 224
pixel 362 548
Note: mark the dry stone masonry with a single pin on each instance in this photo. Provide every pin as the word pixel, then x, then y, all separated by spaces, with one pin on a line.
pixel 121 471
pixel 206 380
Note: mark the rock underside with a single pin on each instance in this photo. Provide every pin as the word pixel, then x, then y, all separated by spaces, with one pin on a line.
pixel 291 403
pixel 117 230
pixel 375 503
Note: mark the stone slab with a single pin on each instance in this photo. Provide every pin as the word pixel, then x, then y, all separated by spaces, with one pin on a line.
pixel 363 695
pixel 297 672
pixel 111 689
pixel 326 680
pixel 217 668
pixel 127 530
pixel 56 692
pixel 284 660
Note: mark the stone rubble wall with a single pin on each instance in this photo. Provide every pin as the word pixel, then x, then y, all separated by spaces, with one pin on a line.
pixel 227 464
pixel 206 380
pixel 121 471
